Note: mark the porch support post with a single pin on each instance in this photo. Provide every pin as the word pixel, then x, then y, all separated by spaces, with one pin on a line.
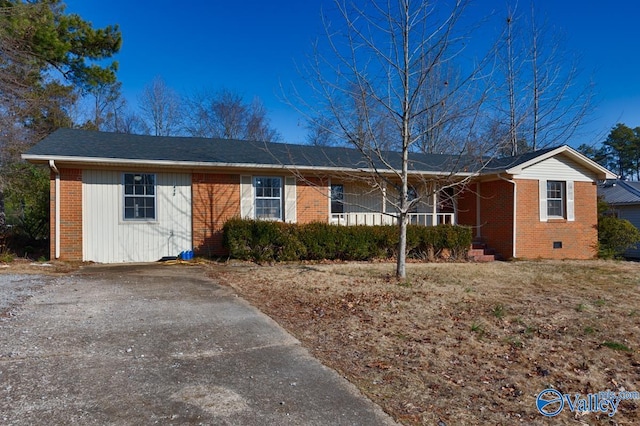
pixel 384 197
pixel 330 216
pixel 434 207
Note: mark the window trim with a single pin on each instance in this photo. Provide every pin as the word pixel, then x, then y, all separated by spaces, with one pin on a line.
pixel 562 199
pixel 280 198
pixel 125 196
pixel 569 202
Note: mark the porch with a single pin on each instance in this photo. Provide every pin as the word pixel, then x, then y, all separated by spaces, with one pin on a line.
pixel 355 203
pixel 370 219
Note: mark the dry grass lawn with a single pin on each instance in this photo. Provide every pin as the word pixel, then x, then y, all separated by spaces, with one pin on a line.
pixel 463 343
pixel 26 266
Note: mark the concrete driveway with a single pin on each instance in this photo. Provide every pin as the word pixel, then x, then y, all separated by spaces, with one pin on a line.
pixel 156 344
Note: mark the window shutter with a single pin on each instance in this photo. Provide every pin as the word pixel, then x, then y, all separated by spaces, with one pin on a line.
pixel 246 197
pixel 543 200
pixel 571 216
pixel 290 199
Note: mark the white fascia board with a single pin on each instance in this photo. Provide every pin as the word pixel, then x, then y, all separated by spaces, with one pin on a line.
pixel 208 165
pixel 603 172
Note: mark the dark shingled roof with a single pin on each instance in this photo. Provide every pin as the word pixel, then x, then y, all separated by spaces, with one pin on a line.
pixel 616 192
pixel 84 144
pixel 501 164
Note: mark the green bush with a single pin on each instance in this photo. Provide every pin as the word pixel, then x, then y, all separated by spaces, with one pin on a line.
pixel 26 200
pixel 455 239
pixel 237 238
pixel 262 241
pixel 265 241
pixel 615 236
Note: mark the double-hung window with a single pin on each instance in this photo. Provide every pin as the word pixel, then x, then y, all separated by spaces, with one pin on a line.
pixel 556 196
pixel 139 196
pixel 268 197
pixel 557 200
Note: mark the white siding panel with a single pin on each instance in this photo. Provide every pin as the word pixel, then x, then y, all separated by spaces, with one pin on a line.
pixel 107 238
pixel 558 168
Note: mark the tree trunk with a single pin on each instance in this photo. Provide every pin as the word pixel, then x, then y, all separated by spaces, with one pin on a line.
pixel 3 223
pixel 401 264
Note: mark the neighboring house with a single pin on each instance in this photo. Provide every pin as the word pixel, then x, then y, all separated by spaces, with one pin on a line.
pixel 624 199
pixel 128 198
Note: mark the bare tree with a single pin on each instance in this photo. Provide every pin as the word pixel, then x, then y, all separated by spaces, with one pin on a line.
pixel 540 102
pixel 161 108
pixel 121 119
pixel 225 114
pixel 127 121
pixel 106 99
pixel 376 90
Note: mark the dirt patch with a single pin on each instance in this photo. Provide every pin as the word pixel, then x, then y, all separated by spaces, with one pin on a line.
pixel 26 266
pixel 463 343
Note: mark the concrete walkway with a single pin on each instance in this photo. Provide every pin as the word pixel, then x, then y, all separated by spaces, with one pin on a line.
pixel 155 344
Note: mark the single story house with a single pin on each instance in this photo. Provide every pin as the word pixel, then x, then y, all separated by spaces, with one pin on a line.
pixel 132 198
pixel 624 199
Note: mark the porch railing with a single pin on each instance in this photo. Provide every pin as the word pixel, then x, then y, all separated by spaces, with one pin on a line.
pixel 370 219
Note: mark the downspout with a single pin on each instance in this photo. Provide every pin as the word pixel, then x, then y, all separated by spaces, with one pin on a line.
pixel 53 167
pixel 515 210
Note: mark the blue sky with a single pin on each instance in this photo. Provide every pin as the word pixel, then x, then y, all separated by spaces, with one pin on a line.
pixel 252 47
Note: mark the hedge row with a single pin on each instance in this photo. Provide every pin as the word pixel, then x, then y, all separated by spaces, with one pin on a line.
pixel 264 241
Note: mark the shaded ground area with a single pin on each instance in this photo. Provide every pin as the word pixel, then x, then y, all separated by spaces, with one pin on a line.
pixel 158 344
pixel 466 343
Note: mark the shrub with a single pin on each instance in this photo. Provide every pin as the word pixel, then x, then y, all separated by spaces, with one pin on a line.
pixel 262 241
pixel 457 239
pixel 615 236
pixel 289 247
pixel 320 241
pixel 265 241
pixel 237 238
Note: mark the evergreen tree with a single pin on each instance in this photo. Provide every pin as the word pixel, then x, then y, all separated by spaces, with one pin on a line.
pixel 46 57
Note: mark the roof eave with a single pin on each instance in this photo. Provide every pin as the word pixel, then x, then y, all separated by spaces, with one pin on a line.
pixel 44 159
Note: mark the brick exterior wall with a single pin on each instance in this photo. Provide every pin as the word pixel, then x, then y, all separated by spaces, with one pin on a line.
pixel 466 203
pixel 215 199
pixel 535 238
pixel 496 216
pixel 70 199
pixel 313 200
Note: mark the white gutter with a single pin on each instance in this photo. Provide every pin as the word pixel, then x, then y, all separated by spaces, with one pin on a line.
pixel 515 210
pixel 53 167
pixel 203 164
